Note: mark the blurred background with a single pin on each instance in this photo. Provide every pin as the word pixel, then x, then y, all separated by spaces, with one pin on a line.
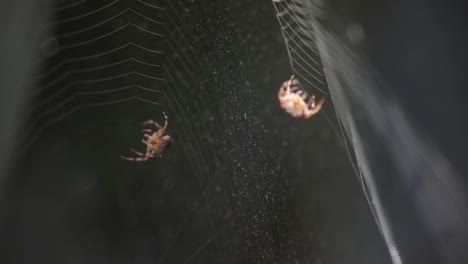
pixel 376 177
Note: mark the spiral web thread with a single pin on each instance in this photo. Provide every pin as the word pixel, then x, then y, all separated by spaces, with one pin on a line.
pixel 102 53
pixel 294 17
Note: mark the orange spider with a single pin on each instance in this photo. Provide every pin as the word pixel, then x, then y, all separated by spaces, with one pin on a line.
pixel 155 142
pixel 292 99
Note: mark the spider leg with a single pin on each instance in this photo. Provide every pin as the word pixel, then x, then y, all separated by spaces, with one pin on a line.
pixel 298 91
pixel 288 83
pixel 320 103
pixel 136 152
pixel 315 109
pixel 281 90
pixel 311 103
pixel 293 83
pixel 296 88
pixel 147 130
pixel 286 86
pixel 135 159
pixel 152 122
pixel 144 142
pixel 165 119
pixel 147 135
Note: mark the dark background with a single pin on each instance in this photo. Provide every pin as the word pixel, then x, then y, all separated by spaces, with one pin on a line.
pixel 243 181
pixel 419 49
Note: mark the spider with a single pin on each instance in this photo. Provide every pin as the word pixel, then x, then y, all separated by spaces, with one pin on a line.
pixel 292 99
pixel 155 142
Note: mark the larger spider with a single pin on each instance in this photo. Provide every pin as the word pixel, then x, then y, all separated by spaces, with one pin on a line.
pixel 156 142
pixel 293 99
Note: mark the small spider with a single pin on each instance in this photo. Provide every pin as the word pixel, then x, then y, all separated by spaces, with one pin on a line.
pixel 293 99
pixel 155 142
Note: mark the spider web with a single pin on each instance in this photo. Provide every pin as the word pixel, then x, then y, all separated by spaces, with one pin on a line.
pixel 302 49
pixel 108 66
pixel 235 186
pixel 384 147
pixel 106 53
pixel 299 34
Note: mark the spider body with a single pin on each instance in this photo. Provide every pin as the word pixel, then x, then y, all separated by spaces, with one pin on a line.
pixel 293 99
pixel 156 142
